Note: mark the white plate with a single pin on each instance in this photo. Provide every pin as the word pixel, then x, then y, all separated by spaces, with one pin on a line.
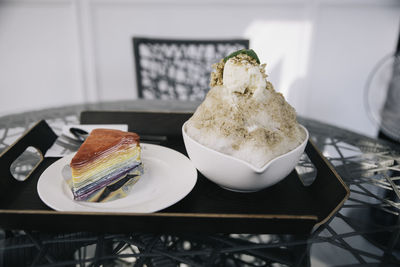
pixel 168 177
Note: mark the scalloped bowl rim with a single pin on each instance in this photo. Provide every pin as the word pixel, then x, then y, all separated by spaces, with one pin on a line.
pixel 252 167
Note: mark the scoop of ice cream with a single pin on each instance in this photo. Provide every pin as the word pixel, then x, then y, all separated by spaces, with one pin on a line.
pixel 243 116
pixel 239 76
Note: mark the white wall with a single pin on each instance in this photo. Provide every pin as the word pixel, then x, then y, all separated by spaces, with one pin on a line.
pixel 318 52
pixel 39 65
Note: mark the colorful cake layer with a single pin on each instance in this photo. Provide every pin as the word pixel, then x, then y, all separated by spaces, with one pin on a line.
pixel 105 158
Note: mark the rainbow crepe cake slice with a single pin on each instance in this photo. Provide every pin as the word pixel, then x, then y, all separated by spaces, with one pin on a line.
pixel 106 165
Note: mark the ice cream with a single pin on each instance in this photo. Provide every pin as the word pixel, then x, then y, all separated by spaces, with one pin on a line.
pixel 242 115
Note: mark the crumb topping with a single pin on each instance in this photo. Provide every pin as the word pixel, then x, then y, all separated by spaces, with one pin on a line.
pixel 216 76
pixel 256 120
pixel 233 121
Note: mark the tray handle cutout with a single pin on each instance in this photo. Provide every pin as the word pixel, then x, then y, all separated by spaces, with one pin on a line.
pixel 306 170
pixel 40 137
pixel 23 166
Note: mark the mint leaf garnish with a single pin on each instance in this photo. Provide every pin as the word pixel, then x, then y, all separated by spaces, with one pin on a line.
pixel 249 52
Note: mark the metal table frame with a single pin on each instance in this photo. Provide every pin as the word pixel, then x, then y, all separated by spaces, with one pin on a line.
pixel 365 231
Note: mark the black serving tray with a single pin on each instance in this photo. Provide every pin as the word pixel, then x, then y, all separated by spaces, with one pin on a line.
pixel 287 207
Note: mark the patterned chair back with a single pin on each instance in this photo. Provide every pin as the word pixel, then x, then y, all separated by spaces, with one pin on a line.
pixel 178 69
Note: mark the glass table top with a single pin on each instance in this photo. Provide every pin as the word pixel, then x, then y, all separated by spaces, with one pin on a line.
pixel 364 231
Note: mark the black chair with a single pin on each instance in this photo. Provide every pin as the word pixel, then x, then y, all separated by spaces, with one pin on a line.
pixel 178 69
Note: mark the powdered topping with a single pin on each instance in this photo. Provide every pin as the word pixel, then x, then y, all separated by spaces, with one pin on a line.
pixel 243 115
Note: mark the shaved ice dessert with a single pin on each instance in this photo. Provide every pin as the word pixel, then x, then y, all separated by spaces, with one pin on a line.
pixel 242 115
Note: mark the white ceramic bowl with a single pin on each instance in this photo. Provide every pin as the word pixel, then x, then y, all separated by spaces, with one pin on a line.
pixel 237 175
